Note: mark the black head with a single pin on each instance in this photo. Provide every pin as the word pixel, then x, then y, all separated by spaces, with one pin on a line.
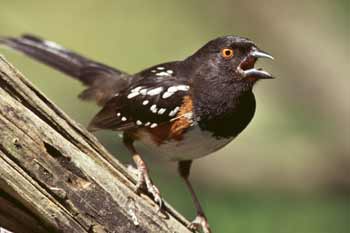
pixel 231 58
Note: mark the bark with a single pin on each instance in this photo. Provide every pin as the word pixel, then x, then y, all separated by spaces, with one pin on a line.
pixel 56 177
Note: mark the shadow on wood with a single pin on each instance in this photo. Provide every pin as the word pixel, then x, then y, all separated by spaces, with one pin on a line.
pixel 56 177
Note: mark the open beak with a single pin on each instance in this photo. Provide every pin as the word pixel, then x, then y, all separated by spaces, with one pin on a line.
pixel 253 72
pixel 261 54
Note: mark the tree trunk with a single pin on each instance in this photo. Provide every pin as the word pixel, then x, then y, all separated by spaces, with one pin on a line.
pixel 56 177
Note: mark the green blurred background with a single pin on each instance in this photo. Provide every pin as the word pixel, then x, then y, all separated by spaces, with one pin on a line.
pixel 289 171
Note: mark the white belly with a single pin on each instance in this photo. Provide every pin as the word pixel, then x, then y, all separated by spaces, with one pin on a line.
pixel 195 144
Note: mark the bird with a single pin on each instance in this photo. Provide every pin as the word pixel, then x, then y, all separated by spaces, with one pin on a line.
pixel 182 110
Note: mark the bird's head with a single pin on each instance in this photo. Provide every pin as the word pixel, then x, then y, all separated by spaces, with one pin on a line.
pixel 230 58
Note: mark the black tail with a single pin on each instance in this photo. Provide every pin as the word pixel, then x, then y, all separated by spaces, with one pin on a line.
pixel 103 81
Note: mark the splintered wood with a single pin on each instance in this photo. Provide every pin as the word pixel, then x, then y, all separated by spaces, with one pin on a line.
pixel 56 177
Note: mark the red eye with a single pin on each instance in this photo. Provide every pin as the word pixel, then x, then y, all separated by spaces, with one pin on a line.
pixel 227 53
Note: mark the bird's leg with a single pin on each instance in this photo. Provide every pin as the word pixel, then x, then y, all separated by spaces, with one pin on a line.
pixel 201 220
pixel 143 180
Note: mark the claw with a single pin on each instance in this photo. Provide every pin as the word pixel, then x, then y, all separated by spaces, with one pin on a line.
pixel 200 222
pixel 156 195
pixel 144 184
pixel 152 189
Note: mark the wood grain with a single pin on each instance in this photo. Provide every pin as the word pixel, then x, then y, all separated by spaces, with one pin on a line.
pixel 56 177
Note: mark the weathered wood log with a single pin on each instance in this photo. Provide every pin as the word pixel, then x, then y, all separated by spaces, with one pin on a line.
pixel 56 177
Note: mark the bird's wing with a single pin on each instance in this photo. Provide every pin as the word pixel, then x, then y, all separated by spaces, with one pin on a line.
pixel 155 99
pixel 102 80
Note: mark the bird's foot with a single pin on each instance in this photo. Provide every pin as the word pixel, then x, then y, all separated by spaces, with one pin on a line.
pixel 145 184
pixel 200 222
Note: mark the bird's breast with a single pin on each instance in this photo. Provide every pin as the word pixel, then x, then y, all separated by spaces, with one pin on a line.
pixel 194 143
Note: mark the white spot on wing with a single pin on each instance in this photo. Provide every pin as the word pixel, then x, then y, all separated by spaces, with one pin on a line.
pixel 163 74
pixel 143 91
pixel 172 89
pixel 161 111
pixel 170 71
pixel 124 119
pixel 133 94
pixel 153 108
pixel 148 123
pixel 53 44
pixel 160 68
pixel 136 89
pixel 155 91
pixel 145 102
pixel 183 87
pixel 174 111
pixel 167 94
pixel 118 114
pixel 138 122
pixel 154 125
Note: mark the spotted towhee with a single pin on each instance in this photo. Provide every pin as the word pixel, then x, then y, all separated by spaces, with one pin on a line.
pixel 182 109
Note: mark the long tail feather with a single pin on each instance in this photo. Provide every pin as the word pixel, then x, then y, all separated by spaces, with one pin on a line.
pixel 103 81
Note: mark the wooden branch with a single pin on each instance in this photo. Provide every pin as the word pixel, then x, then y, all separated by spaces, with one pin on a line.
pixel 56 177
